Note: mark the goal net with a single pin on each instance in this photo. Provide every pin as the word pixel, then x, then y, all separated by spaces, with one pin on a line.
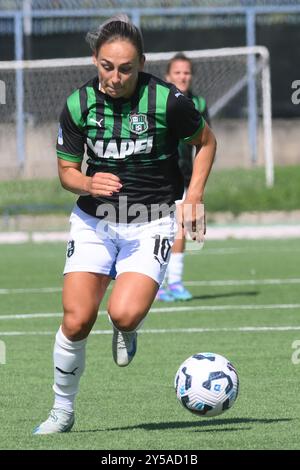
pixel 234 81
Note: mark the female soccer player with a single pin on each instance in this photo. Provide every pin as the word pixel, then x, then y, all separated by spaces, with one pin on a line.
pixel 180 73
pixel 123 224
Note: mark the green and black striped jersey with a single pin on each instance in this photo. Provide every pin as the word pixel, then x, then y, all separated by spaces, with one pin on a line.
pixel 135 139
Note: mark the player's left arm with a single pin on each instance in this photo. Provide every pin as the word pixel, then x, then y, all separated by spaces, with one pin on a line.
pixel 186 123
pixel 193 205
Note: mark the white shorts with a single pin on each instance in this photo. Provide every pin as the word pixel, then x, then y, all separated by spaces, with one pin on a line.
pixel 99 246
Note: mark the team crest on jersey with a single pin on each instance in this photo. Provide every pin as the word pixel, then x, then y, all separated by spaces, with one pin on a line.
pixel 138 123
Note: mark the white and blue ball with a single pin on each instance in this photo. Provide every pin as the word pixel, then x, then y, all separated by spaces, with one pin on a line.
pixel 207 384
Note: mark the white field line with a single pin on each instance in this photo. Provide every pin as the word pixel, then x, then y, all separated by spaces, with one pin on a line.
pixel 190 250
pixel 243 282
pixel 225 307
pixel 36 290
pixel 217 283
pixel 194 308
pixel 24 316
pixel 244 329
pixel 255 232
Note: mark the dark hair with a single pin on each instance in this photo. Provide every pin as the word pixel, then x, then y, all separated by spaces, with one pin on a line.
pixel 116 27
pixel 179 56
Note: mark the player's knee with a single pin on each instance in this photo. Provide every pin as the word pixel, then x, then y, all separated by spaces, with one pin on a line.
pixel 125 320
pixel 76 326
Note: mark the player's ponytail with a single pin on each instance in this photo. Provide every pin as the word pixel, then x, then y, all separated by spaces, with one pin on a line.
pixel 116 27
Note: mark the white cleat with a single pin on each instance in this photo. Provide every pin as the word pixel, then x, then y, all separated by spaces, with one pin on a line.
pixel 58 421
pixel 124 346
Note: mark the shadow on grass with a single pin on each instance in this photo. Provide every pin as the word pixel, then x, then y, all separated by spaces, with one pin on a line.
pixel 226 294
pixel 201 425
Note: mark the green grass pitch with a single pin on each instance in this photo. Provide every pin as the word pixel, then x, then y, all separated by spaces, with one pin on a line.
pixel 246 307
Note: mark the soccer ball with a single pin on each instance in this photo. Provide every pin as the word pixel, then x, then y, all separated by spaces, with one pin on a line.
pixel 206 384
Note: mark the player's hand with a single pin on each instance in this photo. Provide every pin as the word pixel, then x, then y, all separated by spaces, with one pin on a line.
pixel 103 184
pixel 193 220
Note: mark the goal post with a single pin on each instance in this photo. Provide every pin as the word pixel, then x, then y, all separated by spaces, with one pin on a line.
pixel 37 90
pixel 221 76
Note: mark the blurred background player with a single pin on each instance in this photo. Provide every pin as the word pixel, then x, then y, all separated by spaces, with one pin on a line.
pixel 180 73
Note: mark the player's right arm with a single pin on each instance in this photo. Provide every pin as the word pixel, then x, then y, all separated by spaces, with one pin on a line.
pixel 72 179
pixel 70 151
